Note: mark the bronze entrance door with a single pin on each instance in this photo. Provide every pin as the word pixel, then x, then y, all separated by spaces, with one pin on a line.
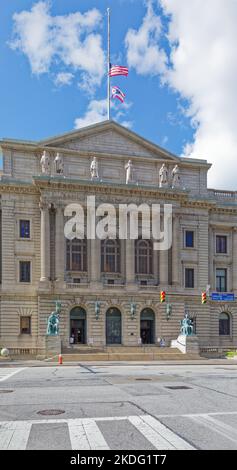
pixel 147 326
pixel 78 326
pixel 113 326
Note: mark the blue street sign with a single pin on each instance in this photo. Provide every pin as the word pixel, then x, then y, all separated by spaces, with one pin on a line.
pixel 227 297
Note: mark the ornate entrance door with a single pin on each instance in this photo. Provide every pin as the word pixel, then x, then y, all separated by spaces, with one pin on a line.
pixel 147 326
pixel 113 326
pixel 78 325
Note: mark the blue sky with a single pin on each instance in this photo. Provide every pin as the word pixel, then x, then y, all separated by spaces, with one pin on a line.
pixel 173 94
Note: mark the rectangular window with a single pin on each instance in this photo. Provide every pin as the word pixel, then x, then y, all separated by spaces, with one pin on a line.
pixel 25 325
pixel 24 229
pixel 221 244
pixel 221 280
pixel 189 239
pixel 25 271
pixel 189 277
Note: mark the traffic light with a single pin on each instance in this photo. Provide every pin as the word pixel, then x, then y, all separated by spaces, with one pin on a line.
pixel 162 296
pixel 204 297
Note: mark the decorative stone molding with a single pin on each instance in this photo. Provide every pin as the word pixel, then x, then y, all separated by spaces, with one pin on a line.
pixel 225 308
pixel 25 312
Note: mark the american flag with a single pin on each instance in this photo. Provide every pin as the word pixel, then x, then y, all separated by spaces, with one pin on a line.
pixel 115 70
pixel 117 93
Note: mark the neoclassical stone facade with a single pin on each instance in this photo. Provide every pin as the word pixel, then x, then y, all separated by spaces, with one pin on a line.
pixel 110 289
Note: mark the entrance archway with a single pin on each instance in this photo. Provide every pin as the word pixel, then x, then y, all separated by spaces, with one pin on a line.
pixel 113 326
pixel 147 326
pixel 78 325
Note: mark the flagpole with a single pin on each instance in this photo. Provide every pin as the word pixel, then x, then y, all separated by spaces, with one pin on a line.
pixel 108 59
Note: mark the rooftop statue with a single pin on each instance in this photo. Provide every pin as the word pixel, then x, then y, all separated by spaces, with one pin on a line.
pixel 176 182
pixel 129 172
pixel 186 326
pixel 94 169
pixel 45 164
pixel 163 177
pixel 53 321
pixel 59 165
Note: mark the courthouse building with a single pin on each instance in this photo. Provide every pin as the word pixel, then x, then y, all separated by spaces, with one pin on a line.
pixel 110 289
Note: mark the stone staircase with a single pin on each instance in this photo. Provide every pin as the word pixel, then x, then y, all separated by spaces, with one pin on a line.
pixel 123 353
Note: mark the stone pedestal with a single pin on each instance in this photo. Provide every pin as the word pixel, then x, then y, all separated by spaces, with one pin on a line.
pixel 52 345
pixel 186 344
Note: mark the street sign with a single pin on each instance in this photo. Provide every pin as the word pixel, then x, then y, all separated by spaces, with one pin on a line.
pixel 226 297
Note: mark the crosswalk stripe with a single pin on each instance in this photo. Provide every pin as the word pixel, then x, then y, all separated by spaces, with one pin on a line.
pixel 159 435
pixel 225 430
pixel 78 435
pixel 94 435
pixel 14 435
pixel 7 373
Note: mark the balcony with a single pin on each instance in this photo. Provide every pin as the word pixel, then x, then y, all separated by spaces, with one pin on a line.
pixel 223 195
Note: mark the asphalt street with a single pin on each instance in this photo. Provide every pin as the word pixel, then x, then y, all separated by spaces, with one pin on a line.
pixel 118 406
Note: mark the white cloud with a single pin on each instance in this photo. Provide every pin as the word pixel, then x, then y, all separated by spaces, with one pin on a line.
pixel 143 51
pixel 202 68
pixel 69 40
pixel 204 71
pixel 63 78
pixel 128 124
pixel 96 112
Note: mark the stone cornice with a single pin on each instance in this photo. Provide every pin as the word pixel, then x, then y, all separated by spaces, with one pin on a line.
pixel 87 186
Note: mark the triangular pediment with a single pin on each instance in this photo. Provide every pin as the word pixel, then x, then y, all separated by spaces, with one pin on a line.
pixel 109 137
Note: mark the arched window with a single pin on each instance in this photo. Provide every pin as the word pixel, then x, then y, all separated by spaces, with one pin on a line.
pixel 143 256
pixel 224 324
pixel 110 256
pixel 76 255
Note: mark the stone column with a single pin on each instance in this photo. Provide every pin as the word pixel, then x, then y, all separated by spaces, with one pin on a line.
pixel 211 260
pixel 130 263
pixel 95 270
pixel 163 264
pixel 44 241
pixel 164 268
pixel 60 242
pixel 176 251
pixel 234 259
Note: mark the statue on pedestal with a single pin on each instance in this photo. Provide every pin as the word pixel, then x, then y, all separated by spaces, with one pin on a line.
pixel 53 321
pixel 45 164
pixel 59 165
pixel 176 182
pixel 163 177
pixel 94 169
pixel 186 327
pixel 129 172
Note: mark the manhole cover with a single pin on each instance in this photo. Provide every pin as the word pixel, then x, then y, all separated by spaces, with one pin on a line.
pixel 50 412
pixel 6 391
pixel 178 387
pixel 146 380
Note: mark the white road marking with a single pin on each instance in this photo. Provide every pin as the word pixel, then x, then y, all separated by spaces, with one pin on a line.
pixel 225 430
pixel 85 434
pixel 94 435
pixel 6 373
pixel 14 435
pixel 78 435
pixel 158 434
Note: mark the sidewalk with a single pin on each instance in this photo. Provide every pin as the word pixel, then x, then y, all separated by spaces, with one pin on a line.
pixel 46 363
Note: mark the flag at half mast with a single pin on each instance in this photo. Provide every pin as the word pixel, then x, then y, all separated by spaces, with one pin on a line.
pixel 117 93
pixel 115 70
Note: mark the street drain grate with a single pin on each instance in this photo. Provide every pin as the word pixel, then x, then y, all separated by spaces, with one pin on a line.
pixel 178 387
pixel 6 391
pixel 145 380
pixel 50 412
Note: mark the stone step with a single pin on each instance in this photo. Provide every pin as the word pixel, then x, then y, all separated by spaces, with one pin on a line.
pixel 128 356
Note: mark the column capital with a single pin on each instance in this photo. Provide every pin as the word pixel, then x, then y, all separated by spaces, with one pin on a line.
pixel 44 205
